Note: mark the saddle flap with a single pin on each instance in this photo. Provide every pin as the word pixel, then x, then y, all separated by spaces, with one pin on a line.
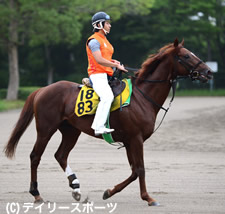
pixel 117 86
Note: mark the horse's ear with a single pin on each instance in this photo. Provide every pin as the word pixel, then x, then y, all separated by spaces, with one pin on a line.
pixel 182 43
pixel 175 43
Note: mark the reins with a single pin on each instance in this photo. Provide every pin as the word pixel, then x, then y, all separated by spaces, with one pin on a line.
pixel 173 86
pixel 193 74
pixel 174 83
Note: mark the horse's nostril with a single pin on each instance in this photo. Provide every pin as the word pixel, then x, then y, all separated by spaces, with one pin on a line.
pixel 209 74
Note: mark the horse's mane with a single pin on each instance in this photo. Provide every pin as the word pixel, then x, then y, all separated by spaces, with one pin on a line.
pixel 151 63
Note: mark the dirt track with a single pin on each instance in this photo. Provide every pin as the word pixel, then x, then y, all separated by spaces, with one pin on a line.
pixel 184 160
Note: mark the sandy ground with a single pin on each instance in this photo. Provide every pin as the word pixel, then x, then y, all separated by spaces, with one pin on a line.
pixel 184 159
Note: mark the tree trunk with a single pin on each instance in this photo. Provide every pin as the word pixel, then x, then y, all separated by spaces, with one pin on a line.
pixel 13 85
pixel 221 48
pixel 50 75
pixel 49 64
pixel 209 58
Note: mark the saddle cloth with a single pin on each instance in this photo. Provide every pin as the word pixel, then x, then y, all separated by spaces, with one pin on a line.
pixel 87 100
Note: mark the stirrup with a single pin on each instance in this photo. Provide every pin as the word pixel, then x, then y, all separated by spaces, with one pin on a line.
pixel 103 131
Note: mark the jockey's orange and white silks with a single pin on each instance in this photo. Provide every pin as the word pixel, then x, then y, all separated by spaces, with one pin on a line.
pixel 106 50
pixel 103 90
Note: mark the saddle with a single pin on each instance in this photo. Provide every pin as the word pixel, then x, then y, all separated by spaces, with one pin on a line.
pixel 116 84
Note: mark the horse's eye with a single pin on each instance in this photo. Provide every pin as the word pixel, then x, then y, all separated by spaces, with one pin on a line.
pixel 186 56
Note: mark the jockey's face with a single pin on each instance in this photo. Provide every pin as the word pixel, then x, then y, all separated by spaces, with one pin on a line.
pixel 107 26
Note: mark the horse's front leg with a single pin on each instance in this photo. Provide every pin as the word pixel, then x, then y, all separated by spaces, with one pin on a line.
pixel 139 169
pixel 135 156
pixel 119 187
pixel 143 190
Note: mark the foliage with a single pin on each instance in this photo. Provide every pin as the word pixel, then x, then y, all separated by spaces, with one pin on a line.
pixel 53 22
pixel 191 20
pixel 24 92
pixel 48 24
pixel 139 28
pixel 8 105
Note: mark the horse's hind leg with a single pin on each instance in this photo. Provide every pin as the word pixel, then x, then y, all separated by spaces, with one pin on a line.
pixel 69 139
pixel 43 136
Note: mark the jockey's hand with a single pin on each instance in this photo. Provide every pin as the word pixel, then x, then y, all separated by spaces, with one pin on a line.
pixel 121 67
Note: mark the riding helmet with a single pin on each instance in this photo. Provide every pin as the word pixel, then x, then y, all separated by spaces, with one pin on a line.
pixel 99 17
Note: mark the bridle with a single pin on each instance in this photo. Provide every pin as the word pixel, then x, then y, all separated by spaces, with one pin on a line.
pixel 193 74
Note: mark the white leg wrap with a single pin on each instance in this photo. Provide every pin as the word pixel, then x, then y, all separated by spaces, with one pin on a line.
pixel 76 181
pixel 68 171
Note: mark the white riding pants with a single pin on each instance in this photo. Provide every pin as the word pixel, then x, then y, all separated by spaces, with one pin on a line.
pixel 103 90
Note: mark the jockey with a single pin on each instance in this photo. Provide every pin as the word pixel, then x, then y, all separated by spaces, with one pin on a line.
pixel 100 63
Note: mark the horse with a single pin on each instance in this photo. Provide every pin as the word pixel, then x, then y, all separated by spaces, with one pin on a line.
pixel 53 109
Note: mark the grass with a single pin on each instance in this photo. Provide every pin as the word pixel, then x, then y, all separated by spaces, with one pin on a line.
pixel 23 93
pixel 8 105
pixel 202 92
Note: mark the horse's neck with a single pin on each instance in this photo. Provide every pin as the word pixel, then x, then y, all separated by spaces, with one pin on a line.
pixel 159 91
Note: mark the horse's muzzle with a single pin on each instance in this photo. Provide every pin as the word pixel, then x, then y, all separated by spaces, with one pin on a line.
pixel 204 76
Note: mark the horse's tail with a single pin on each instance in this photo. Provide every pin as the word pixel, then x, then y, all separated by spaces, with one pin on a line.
pixel 25 119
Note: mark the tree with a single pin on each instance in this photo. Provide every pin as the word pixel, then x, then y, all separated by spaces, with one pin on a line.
pixel 49 22
pixel 9 39
pixel 61 22
pixel 200 23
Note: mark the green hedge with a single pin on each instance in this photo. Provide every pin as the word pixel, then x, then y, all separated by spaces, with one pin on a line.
pixel 8 105
pixel 3 93
pixel 23 93
pixel 203 92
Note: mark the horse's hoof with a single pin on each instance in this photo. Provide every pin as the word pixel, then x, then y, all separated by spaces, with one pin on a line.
pixel 153 203
pixel 76 196
pixel 86 201
pixel 38 200
pixel 106 194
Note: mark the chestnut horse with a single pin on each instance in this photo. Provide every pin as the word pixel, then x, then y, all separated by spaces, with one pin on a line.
pixel 53 109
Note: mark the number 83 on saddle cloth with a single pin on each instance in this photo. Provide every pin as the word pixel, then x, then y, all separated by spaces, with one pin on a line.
pixel 87 100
